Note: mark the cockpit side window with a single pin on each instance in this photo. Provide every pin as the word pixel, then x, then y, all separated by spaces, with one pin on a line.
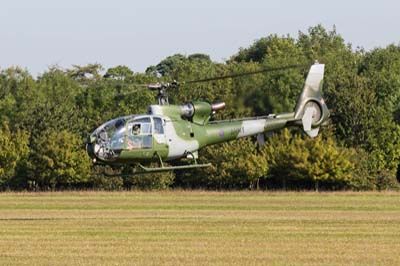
pixel 113 133
pixel 141 126
pixel 139 136
pixel 145 128
pixel 158 126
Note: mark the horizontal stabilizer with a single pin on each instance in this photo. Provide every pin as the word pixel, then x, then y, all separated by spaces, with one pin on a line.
pixel 308 118
pixel 313 133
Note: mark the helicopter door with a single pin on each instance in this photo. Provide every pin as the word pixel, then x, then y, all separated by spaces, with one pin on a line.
pixel 160 141
pixel 139 137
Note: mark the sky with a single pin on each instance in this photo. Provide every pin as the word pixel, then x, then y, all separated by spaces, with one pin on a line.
pixel 42 33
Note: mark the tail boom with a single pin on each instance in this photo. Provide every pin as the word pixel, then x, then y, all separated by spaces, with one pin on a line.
pixel 310 113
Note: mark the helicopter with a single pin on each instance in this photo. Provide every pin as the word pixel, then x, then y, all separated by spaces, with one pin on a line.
pixel 168 132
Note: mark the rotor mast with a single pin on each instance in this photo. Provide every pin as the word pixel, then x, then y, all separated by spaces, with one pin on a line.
pixel 162 95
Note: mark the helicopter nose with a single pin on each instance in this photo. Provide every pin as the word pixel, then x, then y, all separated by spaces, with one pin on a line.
pixel 90 151
pixel 90 143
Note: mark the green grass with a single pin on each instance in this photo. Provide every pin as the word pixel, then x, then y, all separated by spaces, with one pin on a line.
pixel 199 228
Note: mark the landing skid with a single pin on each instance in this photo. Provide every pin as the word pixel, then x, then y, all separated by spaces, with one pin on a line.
pixel 162 168
pixel 149 170
pixel 171 168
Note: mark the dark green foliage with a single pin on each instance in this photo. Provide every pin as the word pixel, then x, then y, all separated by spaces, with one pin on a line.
pixel 149 181
pixel 381 66
pixel 46 119
pixel 169 65
pixel 84 73
pixel 119 72
pixel 166 66
pixel 236 165
pixel 293 158
pixel 58 160
pixel 13 154
pixel 104 177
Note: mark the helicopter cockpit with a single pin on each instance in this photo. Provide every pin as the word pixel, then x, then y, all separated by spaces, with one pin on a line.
pixel 124 133
pixel 107 141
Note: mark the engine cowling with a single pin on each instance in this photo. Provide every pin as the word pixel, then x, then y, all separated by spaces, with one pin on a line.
pixel 200 112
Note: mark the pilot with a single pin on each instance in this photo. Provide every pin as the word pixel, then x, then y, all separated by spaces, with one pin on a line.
pixel 136 129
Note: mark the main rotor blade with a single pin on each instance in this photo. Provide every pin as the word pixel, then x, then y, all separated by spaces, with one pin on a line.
pixel 123 83
pixel 131 92
pixel 165 85
pixel 264 70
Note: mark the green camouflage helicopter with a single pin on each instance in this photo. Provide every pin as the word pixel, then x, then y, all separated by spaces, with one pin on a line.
pixel 169 132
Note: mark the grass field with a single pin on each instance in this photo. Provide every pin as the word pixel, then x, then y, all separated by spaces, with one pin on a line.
pixel 199 228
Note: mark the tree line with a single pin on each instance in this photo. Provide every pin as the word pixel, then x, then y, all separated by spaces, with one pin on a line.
pixel 45 119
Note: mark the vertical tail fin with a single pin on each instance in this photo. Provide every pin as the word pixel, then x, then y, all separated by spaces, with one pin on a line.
pixel 311 109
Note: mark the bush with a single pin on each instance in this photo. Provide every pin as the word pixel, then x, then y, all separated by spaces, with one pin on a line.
pixel 319 160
